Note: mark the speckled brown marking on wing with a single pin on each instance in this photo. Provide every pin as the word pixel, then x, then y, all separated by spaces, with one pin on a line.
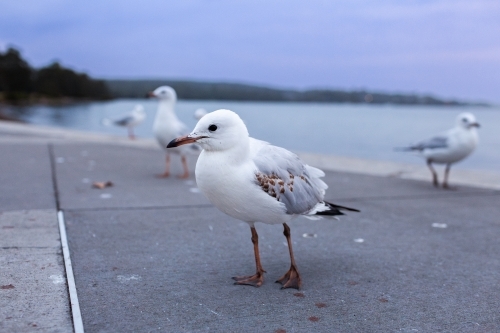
pixel 268 183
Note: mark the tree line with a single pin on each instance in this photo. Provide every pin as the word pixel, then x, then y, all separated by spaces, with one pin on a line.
pixel 21 82
pixel 244 92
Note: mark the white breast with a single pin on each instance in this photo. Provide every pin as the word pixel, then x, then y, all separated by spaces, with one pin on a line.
pixel 167 127
pixel 232 189
pixel 461 143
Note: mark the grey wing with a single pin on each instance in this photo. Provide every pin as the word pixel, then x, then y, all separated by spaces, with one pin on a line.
pixel 124 121
pixel 432 143
pixel 282 175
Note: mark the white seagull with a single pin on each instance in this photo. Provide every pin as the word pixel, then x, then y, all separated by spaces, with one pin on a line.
pixel 167 127
pixel 449 147
pixel 199 113
pixel 130 120
pixel 254 181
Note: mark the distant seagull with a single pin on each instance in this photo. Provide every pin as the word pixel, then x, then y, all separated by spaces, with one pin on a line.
pixel 254 181
pixel 449 147
pixel 130 120
pixel 167 126
pixel 199 113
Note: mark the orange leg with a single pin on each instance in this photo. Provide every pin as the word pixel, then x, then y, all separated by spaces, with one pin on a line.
pixel 291 279
pixel 257 279
pixel 445 182
pixel 434 173
pixel 185 167
pixel 167 168
pixel 131 133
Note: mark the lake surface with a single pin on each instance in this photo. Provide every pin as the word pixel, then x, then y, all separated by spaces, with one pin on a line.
pixel 364 131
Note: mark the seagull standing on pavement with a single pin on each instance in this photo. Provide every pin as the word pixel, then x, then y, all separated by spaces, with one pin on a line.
pixel 449 147
pixel 167 127
pixel 130 120
pixel 254 181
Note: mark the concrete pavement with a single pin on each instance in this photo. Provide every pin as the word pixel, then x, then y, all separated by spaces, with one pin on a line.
pixel 153 255
pixel 33 291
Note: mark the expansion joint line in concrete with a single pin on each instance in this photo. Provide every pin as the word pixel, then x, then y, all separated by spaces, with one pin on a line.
pixel 54 175
pixel 70 278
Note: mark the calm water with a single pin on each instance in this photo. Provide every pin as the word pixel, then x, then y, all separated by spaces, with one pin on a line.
pixel 364 131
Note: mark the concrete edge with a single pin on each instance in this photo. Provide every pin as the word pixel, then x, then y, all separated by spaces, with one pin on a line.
pixel 483 179
pixel 70 278
pixel 22 133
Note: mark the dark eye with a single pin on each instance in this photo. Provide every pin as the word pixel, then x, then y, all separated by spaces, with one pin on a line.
pixel 212 128
pixel 464 120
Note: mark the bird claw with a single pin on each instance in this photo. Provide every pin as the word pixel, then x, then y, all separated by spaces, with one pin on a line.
pixel 448 187
pixel 291 279
pixel 163 175
pixel 255 280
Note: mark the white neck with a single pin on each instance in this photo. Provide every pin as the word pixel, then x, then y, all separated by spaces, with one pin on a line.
pixel 165 110
pixel 234 155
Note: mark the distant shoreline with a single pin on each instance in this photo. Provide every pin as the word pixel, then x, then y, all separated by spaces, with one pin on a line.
pixel 224 91
pixel 235 92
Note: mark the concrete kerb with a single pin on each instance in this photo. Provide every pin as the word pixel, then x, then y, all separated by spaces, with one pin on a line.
pixel 482 179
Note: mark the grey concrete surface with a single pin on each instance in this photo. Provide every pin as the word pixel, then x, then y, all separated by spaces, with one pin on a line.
pixel 25 177
pixel 169 269
pixel 153 255
pixel 33 290
pixel 133 172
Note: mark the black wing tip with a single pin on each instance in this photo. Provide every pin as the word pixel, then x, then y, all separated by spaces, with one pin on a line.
pixel 331 212
pixel 405 148
pixel 339 208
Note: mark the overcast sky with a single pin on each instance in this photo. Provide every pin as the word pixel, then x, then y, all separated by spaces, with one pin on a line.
pixel 450 48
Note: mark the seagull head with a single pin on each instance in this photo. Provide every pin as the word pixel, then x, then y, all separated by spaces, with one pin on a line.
pixel 138 110
pixel 199 113
pixel 467 120
pixel 216 131
pixel 165 93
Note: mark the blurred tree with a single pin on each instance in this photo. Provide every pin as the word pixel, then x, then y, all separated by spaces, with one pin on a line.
pixel 56 81
pixel 16 75
pixel 18 80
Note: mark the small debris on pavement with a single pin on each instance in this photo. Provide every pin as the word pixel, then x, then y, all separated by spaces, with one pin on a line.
pixel 101 185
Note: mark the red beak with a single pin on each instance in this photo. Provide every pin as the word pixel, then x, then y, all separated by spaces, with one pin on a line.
pixel 183 140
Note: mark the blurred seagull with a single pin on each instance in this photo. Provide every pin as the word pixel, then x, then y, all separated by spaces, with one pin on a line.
pixel 167 126
pixel 199 113
pixel 254 181
pixel 130 120
pixel 449 147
